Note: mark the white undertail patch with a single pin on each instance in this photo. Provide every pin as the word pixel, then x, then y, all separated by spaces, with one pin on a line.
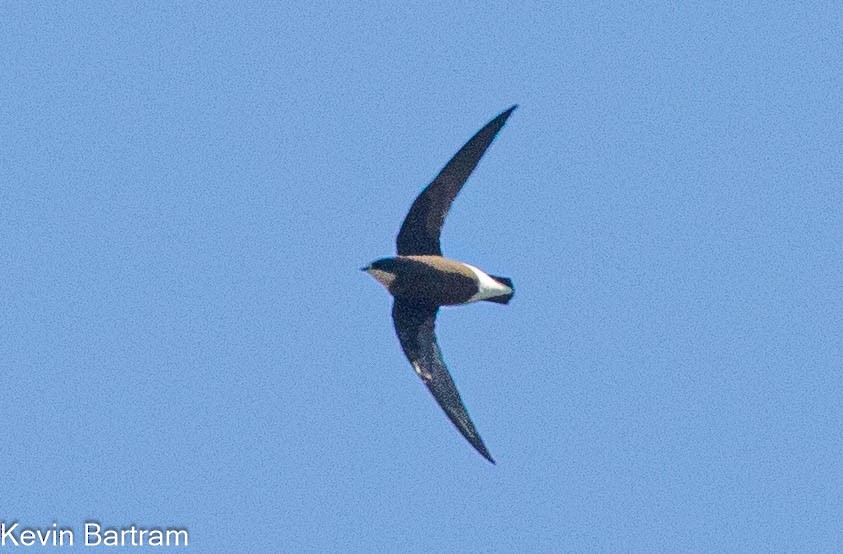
pixel 487 287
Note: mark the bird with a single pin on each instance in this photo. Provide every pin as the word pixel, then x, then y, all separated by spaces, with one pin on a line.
pixel 421 279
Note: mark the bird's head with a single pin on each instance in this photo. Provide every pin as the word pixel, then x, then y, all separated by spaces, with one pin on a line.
pixel 382 270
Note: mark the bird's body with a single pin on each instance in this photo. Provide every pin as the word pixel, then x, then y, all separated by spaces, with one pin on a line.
pixel 438 281
pixel 421 279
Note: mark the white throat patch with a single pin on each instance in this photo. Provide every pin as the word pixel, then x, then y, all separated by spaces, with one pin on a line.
pixel 487 287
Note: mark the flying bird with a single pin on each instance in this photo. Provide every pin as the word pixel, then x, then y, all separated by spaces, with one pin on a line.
pixel 421 280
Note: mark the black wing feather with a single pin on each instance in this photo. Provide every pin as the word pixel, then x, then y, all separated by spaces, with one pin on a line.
pixel 414 324
pixel 419 234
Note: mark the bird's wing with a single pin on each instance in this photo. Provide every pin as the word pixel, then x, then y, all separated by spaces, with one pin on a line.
pixel 415 327
pixel 419 234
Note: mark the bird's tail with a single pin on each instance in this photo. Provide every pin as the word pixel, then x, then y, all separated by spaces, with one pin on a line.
pixel 504 298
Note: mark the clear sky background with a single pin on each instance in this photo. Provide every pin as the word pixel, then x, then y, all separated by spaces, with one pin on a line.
pixel 187 193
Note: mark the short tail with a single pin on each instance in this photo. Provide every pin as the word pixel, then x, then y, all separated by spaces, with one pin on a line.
pixel 504 298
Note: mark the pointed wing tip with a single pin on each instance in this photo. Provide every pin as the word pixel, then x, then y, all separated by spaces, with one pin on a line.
pixel 485 454
pixel 478 445
pixel 506 113
pixel 501 118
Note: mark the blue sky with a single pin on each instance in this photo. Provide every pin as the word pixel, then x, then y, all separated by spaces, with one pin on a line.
pixel 188 193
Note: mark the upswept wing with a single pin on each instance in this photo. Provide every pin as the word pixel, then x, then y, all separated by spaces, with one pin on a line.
pixel 419 234
pixel 414 325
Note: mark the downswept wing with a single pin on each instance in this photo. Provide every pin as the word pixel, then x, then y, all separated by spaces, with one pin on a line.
pixel 419 234
pixel 414 325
